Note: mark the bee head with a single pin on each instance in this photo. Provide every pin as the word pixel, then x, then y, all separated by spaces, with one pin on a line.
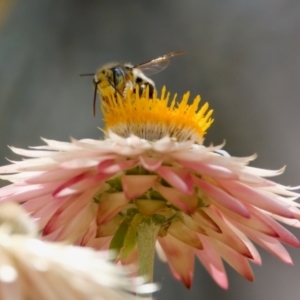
pixel 110 76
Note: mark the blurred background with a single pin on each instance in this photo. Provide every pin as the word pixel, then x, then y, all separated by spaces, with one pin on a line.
pixel 243 57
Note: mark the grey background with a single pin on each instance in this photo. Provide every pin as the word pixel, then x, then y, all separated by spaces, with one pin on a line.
pixel 242 56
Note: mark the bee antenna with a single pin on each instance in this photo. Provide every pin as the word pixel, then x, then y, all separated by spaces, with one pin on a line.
pixel 95 98
pixel 95 91
pixel 88 74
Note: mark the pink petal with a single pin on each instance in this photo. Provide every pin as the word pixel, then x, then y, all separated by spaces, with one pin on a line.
pixel 91 145
pixel 189 155
pixel 295 211
pixel 99 243
pixel 188 204
pixel 150 163
pixel 14 188
pixel 60 146
pixel 290 222
pixel 69 210
pixel 191 223
pixel 79 162
pixel 268 243
pixel 78 225
pixel 255 197
pixel 110 205
pixel 90 233
pixel 180 258
pixel 110 227
pixel 163 145
pixel 112 167
pixel 227 236
pixel 221 197
pixel 136 185
pixel 181 232
pixel 201 218
pixel 31 153
pixel 54 175
pixel 284 235
pixel 44 214
pixel 68 183
pixel 253 179
pixel 79 184
pixel 222 158
pixel 214 171
pixel 213 264
pixel 29 165
pixel 177 177
pixel 31 191
pixel 263 172
pixel 135 141
pixel 126 150
pixel 282 190
pixel 52 236
pixel 35 204
pixel 234 259
pixel 237 230
pixel 254 222
pixel 19 178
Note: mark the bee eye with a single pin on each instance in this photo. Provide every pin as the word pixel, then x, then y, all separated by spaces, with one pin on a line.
pixel 118 76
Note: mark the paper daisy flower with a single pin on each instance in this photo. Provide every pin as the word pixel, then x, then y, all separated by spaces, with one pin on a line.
pixel 152 180
pixel 33 269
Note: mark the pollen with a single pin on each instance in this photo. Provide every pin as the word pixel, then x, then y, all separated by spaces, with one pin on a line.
pixel 155 117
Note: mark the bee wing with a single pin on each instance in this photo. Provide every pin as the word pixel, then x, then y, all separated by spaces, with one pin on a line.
pixel 158 64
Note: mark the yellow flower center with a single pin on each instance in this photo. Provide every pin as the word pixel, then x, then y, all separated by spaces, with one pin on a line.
pixel 156 117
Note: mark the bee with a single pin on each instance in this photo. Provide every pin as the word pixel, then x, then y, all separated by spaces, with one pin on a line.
pixel 122 77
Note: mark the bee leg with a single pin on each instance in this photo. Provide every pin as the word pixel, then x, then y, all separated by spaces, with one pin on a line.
pixel 144 87
pixel 151 90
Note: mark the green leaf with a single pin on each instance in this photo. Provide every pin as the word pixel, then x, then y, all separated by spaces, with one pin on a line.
pixel 131 236
pixel 117 241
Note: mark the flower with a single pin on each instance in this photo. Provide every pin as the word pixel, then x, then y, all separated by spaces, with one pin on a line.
pixel 152 169
pixel 33 269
